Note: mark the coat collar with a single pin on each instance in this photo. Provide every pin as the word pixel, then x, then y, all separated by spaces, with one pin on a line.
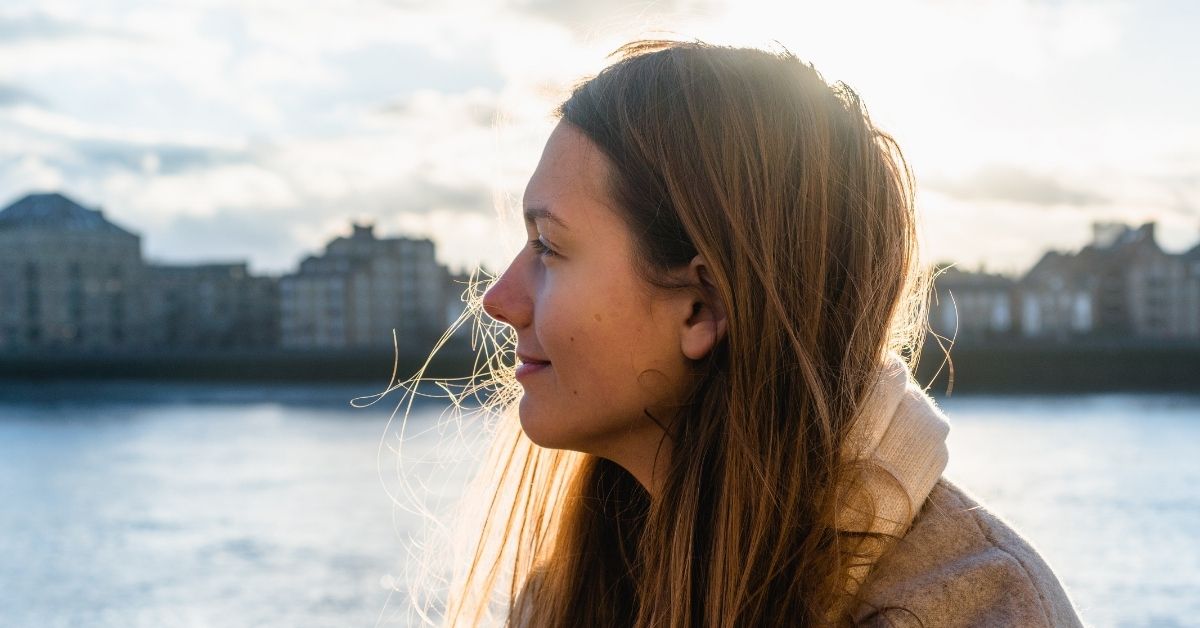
pixel 900 435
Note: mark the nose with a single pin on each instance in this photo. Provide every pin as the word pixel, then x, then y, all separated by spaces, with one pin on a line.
pixel 507 300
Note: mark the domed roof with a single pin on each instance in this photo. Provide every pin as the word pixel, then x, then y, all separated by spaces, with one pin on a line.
pixel 55 212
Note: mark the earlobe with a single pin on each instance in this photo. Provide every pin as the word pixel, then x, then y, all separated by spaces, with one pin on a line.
pixel 708 322
pixel 704 330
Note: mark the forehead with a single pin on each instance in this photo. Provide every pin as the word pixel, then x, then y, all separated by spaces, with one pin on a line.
pixel 571 177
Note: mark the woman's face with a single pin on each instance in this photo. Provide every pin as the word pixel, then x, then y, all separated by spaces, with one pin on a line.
pixel 599 346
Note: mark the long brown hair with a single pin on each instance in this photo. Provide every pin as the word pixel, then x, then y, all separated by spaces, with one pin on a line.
pixel 803 211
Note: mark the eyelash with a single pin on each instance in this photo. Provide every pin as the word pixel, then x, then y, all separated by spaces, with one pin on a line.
pixel 541 249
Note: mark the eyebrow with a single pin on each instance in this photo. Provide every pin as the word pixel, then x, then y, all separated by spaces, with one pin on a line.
pixel 533 213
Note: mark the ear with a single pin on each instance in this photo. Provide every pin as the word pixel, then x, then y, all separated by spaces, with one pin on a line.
pixel 706 321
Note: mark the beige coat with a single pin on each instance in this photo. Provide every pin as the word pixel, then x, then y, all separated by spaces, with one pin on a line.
pixel 956 563
pixel 961 565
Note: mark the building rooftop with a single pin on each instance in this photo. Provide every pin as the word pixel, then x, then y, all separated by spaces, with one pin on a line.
pixel 950 276
pixel 1112 236
pixel 57 213
pixel 1069 267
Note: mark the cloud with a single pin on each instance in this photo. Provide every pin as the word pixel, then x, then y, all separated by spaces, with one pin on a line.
pixel 424 162
pixel 29 174
pixel 151 199
pixel 39 25
pixel 11 95
pixel 1007 236
pixel 1172 181
pixel 165 158
pixel 1011 183
pixel 277 232
pixel 477 106
pixel 233 234
pixel 211 117
pixel 588 16
pixel 1184 191
pixel 60 147
pixel 42 122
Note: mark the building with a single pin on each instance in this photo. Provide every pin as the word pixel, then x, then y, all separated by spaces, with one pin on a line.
pixel 1191 292
pixel 1140 289
pixel 971 305
pixel 70 279
pixel 1121 285
pixel 362 288
pixel 1057 298
pixel 212 307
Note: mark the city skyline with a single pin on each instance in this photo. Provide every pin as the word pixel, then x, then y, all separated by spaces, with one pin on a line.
pixel 349 229
pixel 231 130
pixel 354 226
pixel 76 282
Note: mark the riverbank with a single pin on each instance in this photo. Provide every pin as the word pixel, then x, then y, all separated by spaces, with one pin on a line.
pixel 998 368
pixel 1021 367
pixel 219 366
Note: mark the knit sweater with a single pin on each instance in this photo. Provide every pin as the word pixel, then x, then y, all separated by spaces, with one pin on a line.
pixel 956 563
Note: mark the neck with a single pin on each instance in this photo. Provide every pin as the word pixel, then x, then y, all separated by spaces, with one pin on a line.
pixel 645 456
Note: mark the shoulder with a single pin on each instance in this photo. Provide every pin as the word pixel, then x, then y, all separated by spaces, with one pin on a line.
pixel 961 565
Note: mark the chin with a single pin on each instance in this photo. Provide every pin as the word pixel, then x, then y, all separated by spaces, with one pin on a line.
pixel 546 429
pixel 538 427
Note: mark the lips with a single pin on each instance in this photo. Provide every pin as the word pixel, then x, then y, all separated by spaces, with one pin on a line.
pixel 528 359
pixel 530 365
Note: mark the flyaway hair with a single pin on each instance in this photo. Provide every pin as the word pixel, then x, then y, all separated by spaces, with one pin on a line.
pixel 804 212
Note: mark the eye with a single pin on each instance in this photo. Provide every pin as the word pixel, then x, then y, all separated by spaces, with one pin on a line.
pixel 541 249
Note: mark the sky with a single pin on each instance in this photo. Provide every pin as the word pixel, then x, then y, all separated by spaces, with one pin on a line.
pixel 225 130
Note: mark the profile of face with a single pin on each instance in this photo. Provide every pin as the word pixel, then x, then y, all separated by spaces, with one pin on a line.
pixel 599 346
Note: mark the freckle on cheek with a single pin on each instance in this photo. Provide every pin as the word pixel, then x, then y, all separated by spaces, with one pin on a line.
pixel 597 317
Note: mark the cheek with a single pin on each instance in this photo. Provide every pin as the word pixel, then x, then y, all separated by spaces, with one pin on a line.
pixel 605 346
pixel 612 362
pixel 579 332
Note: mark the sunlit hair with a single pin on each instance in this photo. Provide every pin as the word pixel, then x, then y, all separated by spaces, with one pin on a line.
pixel 804 213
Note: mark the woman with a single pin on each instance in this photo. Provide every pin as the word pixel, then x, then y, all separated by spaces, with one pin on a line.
pixel 716 426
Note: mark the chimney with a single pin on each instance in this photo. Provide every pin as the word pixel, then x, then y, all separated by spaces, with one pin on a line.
pixel 1106 234
pixel 364 231
pixel 1147 231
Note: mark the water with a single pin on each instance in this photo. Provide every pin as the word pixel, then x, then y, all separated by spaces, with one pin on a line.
pixel 1107 487
pixel 198 505
pixel 153 505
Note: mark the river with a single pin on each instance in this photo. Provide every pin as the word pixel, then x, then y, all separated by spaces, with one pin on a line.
pixel 161 504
